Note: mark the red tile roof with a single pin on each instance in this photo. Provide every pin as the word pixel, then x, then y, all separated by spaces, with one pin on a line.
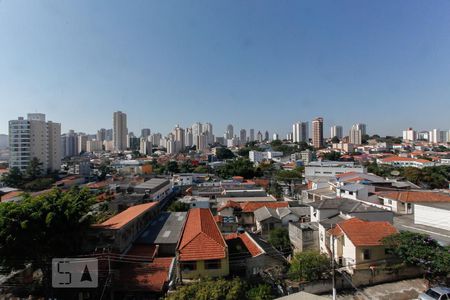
pixel 149 277
pixel 201 238
pixel 416 196
pixel 230 203
pixel 252 206
pixel 11 195
pixel 138 251
pixel 123 218
pixel 364 233
pixel 249 243
pixel 399 158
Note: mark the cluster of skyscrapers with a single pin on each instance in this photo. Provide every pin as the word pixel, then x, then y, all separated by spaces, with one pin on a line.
pixel 432 136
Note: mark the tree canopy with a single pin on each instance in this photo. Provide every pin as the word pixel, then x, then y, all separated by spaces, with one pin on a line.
pixel 309 266
pixel 238 167
pixel 39 228
pixel 420 250
pixel 222 289
pixel 279 238
pixel 224 153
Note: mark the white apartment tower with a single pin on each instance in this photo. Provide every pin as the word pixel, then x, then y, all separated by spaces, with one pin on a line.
pixel 300 132
pixel 355 135
pixel 336 131
pixel 409 135
pixel 362 127
pixel 120 131
pixel 35 138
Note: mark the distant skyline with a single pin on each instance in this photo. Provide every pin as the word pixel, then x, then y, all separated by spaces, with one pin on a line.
pixel 254 64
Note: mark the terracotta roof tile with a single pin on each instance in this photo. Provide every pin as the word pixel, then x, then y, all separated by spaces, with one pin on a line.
pixel 363 233
pixel 416 196
pixel 249 243
pixel 201 238
pixel 126 216
pixel 252 206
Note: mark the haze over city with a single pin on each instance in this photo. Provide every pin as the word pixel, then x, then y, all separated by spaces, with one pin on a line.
pixel 253 64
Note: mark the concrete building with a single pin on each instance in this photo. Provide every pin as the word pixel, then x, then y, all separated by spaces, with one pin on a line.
pixel 242 137
pixel 156 139
pixel 82 142
pixel 179 137
pixel 35 137
pixel 94 146
pixel 145 132
pixel 145 145
pixel 355 135
pixel 275 136
pixel 317 133
pixel 300 132
pixel 120 131
pixel 362 127
pixel 266 136
pixel 252 135
pixel 409 135
pixel 331 168
pixel 188 137
pixel 336 131
pixel 4 141
pixel 101 134
pixel 229 133
pixel 259 136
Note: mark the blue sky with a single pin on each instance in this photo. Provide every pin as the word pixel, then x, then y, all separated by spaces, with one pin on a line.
pixel 255 64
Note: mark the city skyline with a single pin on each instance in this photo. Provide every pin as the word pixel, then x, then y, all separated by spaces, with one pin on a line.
pixel 264 65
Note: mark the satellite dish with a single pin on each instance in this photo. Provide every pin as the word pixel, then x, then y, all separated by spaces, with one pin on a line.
pixel 395 173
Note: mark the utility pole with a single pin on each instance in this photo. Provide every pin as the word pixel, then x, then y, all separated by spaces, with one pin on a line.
pixel 332 267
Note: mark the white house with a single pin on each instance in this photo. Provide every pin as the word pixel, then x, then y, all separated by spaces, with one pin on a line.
pixel 402 201
pixel 433 214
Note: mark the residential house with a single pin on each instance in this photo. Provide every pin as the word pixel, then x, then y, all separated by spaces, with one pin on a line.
pixel 358 244
pixel 202 250
pixel 268 218
pixel 398 161
pixel 436 215
pixel 402 202
pixel 251 255
pixel 118 232
pixel 304 236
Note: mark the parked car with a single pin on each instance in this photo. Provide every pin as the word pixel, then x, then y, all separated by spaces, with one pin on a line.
pixel 436 293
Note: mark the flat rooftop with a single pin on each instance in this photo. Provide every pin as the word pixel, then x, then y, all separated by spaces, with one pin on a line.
pixel 164 229
pixel 153 184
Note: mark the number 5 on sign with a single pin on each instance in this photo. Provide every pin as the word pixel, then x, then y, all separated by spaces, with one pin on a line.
pixel 75 273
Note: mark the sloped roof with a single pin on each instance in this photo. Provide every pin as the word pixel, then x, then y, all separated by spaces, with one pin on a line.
pixel 252 206
pixel 201 238
pixel 364 233
pixel 416 196
pixel 249 243
pixel 123 218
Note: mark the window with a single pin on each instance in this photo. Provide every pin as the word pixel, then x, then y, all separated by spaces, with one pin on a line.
pixel 366 254
pixel 213 264
pixel 189 266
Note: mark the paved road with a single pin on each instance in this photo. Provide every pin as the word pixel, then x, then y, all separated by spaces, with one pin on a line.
pixel 406 223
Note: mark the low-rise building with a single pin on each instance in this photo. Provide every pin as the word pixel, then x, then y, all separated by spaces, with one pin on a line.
pixel 156 188
pixel 268 218
pixel 358 244
pixel 304 236
pixel 402 202
pixel 436 215
pixel 117 233
pixel 397 161
pixel 331 168
pixel 202 251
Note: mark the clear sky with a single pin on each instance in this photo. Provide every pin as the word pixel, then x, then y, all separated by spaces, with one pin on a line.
pixel 255 64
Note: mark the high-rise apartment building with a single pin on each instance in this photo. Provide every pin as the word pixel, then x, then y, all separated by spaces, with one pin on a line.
pixel 229 133
pixel 336 131
pixel 252 135
pixel 266 136
pixel 101 134
pixel 35 138
pixel 409 135
pixel 300 132
pixel 259 137
pixel 317 132
pixel 362 127
pixel 242 137
pixel 179 136
pixel 188 137
pixel 145 132
pixel 82 142
pixel 275 136
pixel 120 131
pixel 355 135
pixel 156 139
pixel 208 129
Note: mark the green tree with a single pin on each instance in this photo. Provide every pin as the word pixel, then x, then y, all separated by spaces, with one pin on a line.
pixel 206 288
pixel 290 175
pixel 177 206
pixel 172 167
pixel 38 184
pixel 224 153
pixel 103 170
pixel 34 169
pixel 40 228
pixel 309 266
pixel 239 167
pixel 418 249
pixel 186 167
pixel 279 238
pixel 276 143
pixel 333 156
pixel 335 140
pixel 201 169
pixel 14 178
pixel 260 292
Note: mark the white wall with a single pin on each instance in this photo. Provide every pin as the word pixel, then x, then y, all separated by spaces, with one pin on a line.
pixel 432 216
